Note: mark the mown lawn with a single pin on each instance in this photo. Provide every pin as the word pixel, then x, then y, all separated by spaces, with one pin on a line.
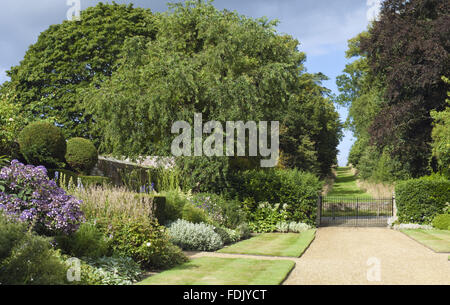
pixel 224 271
pixel 437 240
pixel 345 185
pixel 274 244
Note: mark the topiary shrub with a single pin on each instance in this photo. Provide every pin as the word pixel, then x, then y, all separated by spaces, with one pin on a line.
pixel 194 237
pixel 420 200
pixel 442 222
pixel 26 193
pixel 42 143
pixel 81 155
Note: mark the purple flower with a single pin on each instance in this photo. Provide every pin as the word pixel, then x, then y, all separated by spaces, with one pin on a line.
pixel 31 197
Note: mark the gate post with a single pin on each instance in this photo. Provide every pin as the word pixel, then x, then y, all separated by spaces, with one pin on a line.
pixel 319 210
pixel 394 206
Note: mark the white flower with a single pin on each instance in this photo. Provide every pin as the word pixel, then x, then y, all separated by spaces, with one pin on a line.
pixel 149 244
pixel 11 119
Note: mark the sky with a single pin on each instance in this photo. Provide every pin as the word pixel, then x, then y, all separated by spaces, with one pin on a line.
pixel 322 27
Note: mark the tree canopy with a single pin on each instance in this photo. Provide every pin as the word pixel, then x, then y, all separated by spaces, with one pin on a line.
pixel 395 83
pixel 67 57
pixel 226 66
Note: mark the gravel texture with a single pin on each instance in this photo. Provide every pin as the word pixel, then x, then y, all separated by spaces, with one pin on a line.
pixel 341 256
pixel 345 256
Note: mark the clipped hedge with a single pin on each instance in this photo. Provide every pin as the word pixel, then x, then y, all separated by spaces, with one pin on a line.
pixel 420 200
pixel 81 155
pixel 42 143
pixel 295 189
pixel 63 177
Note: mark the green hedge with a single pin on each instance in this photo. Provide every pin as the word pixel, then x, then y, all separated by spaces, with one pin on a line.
pixel 420 200
pixel 295 189
pixel 65 176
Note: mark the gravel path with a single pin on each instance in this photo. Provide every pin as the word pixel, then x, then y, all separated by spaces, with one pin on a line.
pixel 341 255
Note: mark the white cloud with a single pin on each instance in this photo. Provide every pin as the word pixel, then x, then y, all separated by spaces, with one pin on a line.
pixel 374 9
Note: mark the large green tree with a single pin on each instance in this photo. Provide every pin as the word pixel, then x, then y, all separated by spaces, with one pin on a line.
pixel 226 66
pixel 408 49
pixel 70 56
pixel 393 86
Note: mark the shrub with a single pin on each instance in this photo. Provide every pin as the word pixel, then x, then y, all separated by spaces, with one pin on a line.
pixel 175 202
pixel 244 231
pixel 27 194
pixel 88 241
pixel 87 181
pixel 110 271
pixel 298 227
pixel 265 217
pixel 296 190
pixel 193 214
pixel 221 211
pixel 195 237
pixel 81 155
pixel 294 227
pixel 419 200
pixel 146 242
pixel 204 174
pixel 228 236
pixel 42 143
pixel 26 258
pixel 127 220
pixel 442 222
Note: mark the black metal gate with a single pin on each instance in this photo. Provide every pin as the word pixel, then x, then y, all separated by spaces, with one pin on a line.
pixel 354 212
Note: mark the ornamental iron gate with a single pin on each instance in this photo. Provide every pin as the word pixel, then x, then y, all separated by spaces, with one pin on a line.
pixel 354 212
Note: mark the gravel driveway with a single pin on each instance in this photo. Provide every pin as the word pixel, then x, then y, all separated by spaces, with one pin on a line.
pixel 352 255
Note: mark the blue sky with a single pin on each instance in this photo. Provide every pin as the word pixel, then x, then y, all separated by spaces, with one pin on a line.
pixel 322 27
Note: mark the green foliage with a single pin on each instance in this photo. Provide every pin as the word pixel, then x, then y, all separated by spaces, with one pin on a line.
pixel 442 222
pixel 228 236
pixel 205 174
pixel 4 161
pixel 295 189
pixel 88 241
pixel 127 221
pixel 221 210
pixel 265 217
pixel 110 271
pixel 12 121
pixel 229 68
pixel 144 241
pixel 420 200
pixel 244 231
pixel 195 237
pixel 193 214
pixel 294 227
pixel 441 136
pixel 94 180
pixel 42 143
pixel 175 202
pixel 81 155
pixel 69 57
pixel 27 259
